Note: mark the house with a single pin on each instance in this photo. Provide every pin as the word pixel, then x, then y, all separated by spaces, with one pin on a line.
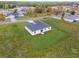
pixel 16 14
pixel 37 28
pixel 71 18
pixel 11 17
pixel 13 14
pixel 23 10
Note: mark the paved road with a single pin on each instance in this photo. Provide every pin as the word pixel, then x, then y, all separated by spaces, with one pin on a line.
pixel 13 22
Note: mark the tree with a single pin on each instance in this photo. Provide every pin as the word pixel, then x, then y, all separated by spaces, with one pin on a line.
pixel 67 11
pixel 51 10
pixel 6 6
pixel 2 18
pixel 11 5
pixel 30 12
pixel 40 9
pixel 72 12
pixel 62 16
pixel 15 11
pixel 1 5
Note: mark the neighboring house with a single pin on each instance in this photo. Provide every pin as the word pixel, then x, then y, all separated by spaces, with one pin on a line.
pixel 12 17
pixel 37 28
pixel 68 19
pixel 21 10
pixel 8 15
pixel 71 18
pixel 58 16
pixel 15 15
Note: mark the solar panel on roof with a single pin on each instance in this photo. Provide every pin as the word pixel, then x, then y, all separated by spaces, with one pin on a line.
pixel 37 26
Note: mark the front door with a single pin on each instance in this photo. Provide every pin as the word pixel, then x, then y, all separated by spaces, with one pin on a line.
pixel 41 30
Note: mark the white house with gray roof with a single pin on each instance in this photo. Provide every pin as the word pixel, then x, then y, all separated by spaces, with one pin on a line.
pixel 37 28
pixel 71 18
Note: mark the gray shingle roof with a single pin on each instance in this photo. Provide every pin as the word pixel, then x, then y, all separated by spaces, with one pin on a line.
pixel 37 26
pixel 72 17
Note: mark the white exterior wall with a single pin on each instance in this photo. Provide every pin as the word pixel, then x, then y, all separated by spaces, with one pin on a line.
pixel 46 29
pixel 77 19
pixel 69 20
pixel 29 31
pixel 38 31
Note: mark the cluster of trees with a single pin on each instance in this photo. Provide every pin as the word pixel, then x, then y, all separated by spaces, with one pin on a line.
pixel 72 12
pixel 41 9
pixel 46 3
pixel 6 5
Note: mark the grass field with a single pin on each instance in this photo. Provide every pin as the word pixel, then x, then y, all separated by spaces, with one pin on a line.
pixel 15 41
pixel 23 18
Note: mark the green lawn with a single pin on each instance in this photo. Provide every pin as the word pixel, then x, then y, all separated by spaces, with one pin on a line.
pixel 49 38
pixel 15 41
pixel 7 20
pixel 23 18
pixel 46 40
pixel 38 41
